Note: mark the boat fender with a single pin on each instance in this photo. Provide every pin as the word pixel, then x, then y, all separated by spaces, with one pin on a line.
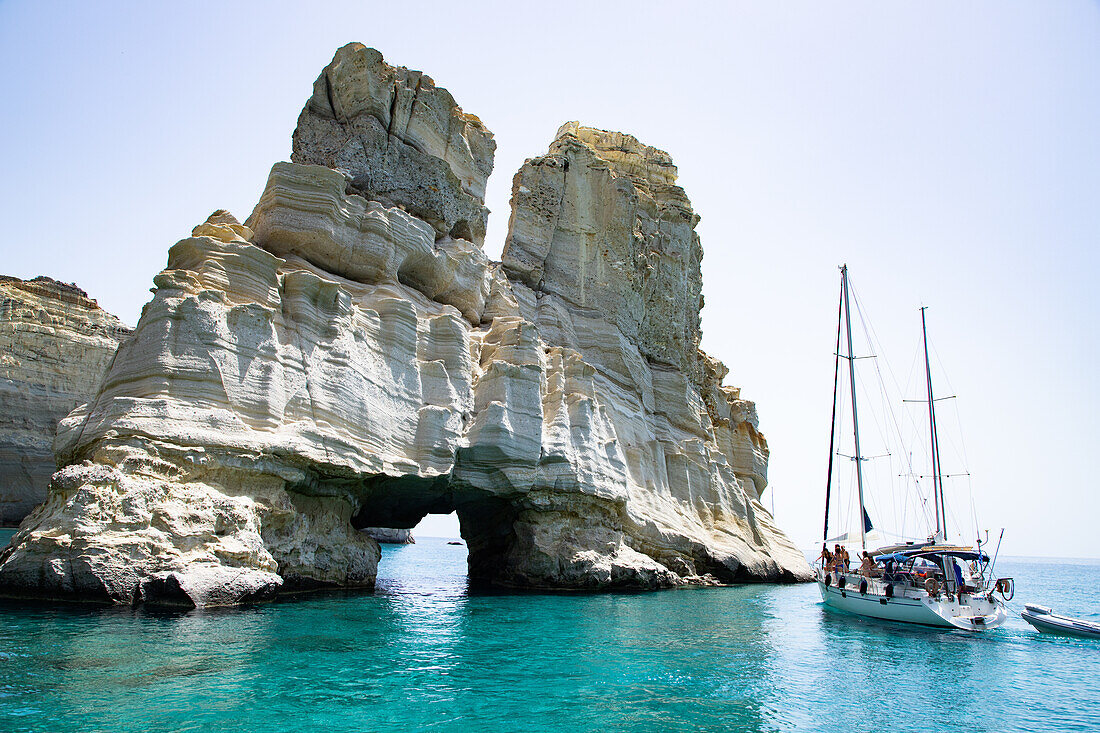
pixel 863 587
pixel 932 587
pixel 841 581
pixel 889 590
pixel 1007 588
pixel 828 579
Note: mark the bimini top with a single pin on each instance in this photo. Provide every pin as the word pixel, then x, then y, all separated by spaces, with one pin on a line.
pixel 893 557
pixel 966 553
pixel 904 548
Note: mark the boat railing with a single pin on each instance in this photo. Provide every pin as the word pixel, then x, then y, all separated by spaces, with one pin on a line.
pixel 898 582
pixel 901 580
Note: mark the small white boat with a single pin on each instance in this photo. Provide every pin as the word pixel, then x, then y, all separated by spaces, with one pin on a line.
pixel 1044 619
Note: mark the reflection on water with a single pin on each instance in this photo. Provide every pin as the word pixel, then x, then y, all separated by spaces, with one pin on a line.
pixel 424 653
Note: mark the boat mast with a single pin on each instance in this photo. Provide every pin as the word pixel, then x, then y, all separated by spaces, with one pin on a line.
pixel 937 479
pixel 832 425
pixel 855 415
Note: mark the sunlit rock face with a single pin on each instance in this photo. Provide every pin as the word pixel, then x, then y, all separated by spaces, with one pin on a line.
pixel 647 466
pixel 599 226
pixel 348 358
pixel 55 345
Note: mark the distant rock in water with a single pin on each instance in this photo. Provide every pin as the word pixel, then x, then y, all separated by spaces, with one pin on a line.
pixel 349 358
pixel 388 536
pixel 55 345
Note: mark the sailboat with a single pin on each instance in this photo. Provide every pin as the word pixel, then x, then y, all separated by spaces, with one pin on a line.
pixel 932 583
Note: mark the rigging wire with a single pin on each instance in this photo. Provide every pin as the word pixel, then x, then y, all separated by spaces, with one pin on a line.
pixel 872 338
pixel 961 448
pixel 913 495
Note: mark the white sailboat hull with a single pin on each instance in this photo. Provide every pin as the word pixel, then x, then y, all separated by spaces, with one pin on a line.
pixel 912 607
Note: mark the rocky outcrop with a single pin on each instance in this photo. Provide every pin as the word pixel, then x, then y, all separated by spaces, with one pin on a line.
pixel 388 536
pixel 349 358
pixel 400 139
pixel 55 345
pixel 599 227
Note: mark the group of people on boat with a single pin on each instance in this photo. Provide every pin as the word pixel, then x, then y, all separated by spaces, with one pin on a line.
pixel 919 572
pixel 838 561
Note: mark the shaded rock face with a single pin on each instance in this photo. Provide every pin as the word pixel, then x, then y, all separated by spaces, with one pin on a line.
pixel 349 359
pixel 400 139
pixel 55 345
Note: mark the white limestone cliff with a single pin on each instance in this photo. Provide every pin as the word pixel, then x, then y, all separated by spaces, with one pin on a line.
pixel 349 358
pixel 55 345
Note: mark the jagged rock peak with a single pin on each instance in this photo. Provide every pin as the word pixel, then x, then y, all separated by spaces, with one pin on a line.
pixel 224 227
pixel 400 139
pixel 644 164
pixel 599 222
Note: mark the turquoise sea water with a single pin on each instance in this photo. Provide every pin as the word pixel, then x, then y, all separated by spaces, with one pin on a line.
pixel 422 653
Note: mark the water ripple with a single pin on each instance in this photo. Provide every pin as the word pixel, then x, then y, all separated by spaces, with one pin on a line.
pixel 423 653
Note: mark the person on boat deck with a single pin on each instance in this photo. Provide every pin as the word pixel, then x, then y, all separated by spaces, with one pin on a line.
pixel 867 566
pixel 826 558
pixel 960 582
pixel 841 556
pixel 891 571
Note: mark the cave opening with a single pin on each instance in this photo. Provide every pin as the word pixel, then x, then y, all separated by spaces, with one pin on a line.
pixel 454 528
pixel 430 562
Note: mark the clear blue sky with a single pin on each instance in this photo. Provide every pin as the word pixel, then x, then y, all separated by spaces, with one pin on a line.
pixel 949 152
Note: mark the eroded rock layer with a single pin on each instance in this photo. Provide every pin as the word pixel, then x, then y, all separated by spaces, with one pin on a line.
pixel 55 345
pixel 349 358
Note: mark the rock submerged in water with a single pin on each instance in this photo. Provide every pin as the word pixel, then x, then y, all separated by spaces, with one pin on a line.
pixel 55 346
pixel 350 358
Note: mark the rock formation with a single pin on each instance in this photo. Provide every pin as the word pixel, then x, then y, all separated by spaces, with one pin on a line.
pixel 389 536
pixel 55 345
pixel 349 358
